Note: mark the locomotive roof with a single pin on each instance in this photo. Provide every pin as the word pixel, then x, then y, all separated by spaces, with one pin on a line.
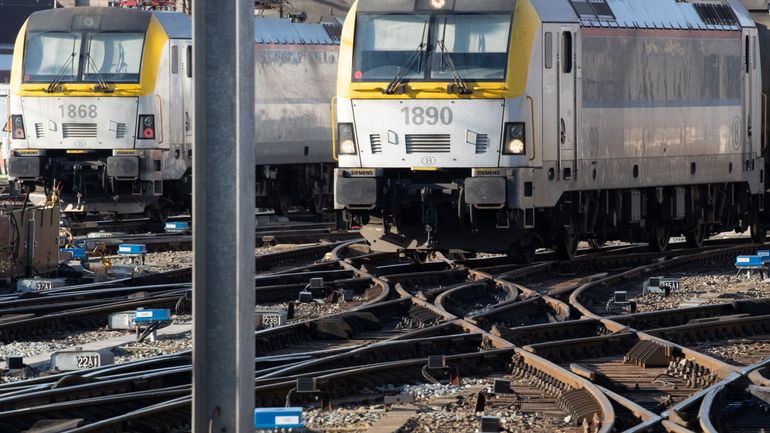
pixel 177 25
pixel 89 18
pixel 647 14
pixel 430 5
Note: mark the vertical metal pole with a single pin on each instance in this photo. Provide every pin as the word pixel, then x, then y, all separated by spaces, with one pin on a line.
pixel 223 217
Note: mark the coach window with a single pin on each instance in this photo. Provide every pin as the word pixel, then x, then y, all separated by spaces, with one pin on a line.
pixel 174 60
pixel 548 50
pixel 566 52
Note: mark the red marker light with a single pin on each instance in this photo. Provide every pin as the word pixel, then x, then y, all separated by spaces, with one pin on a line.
pixel 149 133
pixel 27 77
pixel 358 75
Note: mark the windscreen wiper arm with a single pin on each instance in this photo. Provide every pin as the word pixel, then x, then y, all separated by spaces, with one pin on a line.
pixel 462 86
pixel 402 73
pixel 101 85
pixel 57 79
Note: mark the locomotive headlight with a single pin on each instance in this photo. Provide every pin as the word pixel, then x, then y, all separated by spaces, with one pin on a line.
pixel 146 127
pixel 347 139
pixel 17 127
pixel 514 142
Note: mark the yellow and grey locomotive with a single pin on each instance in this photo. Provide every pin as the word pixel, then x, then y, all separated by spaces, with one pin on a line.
pixel 102 108
pixel 503 125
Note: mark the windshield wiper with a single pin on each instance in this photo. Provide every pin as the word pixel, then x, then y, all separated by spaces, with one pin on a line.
pixel 459 82
pixel 402 73
pixel 101 85
pixel 58 78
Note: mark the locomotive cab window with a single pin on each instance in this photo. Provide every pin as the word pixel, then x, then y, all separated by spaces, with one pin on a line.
pixel 385 44
pixel 113 57
pixel 437 47
pixel 48 55
pixel 477 45
pixel 70 57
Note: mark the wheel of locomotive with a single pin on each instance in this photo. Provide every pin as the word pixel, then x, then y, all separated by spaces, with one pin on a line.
pixel 316 204
pixel 157 213
pixel 697 236
pixel 281 202
pixel 660 234
pixel 758 231
pixel 567 243
pixel 523 251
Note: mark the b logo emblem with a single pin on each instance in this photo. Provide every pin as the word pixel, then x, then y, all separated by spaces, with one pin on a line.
pixel 428 161
pixel 736 134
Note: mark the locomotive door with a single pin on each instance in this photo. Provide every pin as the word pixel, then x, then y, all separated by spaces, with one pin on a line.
pixel 188 94
pixel 748 72
pixel 175 99
pixel 567 88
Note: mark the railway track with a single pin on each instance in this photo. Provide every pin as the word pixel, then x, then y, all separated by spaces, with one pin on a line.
pixel 413 322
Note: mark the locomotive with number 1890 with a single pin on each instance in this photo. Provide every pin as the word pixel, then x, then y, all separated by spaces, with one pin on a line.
pixel 505 125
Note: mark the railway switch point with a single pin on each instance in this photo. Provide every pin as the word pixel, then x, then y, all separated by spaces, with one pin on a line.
pixel 15 363
pixel 348 294
pixel 489 424
pixel 620 297
pixel 751 264
pixel 123 320
pixel 436 362
pixel 390 400
pixel 148 321
pixel 39 284
pixel 278 418
pixel 74 360
pixel 307 385
pixel 502 386
pixel 177 227
pixel 305 297
pixel 660 285
pixel 271 318
pixel 135 251
pixel 76 253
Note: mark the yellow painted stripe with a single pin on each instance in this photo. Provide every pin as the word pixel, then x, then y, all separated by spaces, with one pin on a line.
pixel 425 169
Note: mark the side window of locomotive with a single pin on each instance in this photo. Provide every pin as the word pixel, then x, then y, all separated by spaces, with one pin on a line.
pixel 566 52
pixel 174 60
pixel 189 61
pixel 548 50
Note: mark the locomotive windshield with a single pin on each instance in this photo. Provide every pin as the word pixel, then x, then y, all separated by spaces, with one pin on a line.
pixel 475 46
pixel 83 58
pixel 52 54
